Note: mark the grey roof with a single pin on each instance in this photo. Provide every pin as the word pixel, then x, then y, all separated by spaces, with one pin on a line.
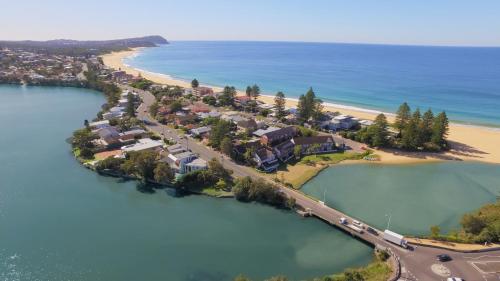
pixel 261 132
pixel 312 140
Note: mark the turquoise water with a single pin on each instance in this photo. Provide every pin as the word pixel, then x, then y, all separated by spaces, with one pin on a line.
pixel 415 196
pixel 59 221
pixel 463 81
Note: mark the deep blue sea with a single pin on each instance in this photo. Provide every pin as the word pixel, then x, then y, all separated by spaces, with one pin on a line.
pixel 464 81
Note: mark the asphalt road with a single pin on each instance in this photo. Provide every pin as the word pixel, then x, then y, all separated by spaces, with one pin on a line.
pixel 419 263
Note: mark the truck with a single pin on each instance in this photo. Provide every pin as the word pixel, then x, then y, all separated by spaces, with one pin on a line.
pixel 395 238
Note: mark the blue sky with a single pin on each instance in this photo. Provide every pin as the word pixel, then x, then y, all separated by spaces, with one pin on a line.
pixel 420 22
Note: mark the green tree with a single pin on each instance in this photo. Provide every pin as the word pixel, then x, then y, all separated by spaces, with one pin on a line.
pixel 227 96
pixel 83 138
pixel 435 231
pixel 279 105
pixel 353 275
pixel 309 106
pixel 226 146
pixel 219 131
pixel 409 135
pixel 378 131
pixel 248 155
pixel 403 115
pixel 163 173
pixel 297 151
pixel 153 109
pixel 248 91
pixel 195 84
pixel 472 223
pixel 255 91
pixel 440 129
pixel 144 164
pixel 210 100
pixel 176 106
pixel 130 109
pixel 426 124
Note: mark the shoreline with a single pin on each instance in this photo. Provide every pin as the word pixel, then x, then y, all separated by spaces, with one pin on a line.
pixel 467 142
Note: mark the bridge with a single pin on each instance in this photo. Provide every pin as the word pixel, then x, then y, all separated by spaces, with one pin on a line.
pixel 415 264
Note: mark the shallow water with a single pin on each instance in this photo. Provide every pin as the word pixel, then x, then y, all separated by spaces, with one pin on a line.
pixel 60 221
pixel 414 196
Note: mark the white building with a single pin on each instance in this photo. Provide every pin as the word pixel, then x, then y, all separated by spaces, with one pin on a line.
pixel 142 144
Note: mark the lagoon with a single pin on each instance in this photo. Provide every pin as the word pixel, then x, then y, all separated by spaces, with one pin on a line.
pixel 415 196
pixel 60 221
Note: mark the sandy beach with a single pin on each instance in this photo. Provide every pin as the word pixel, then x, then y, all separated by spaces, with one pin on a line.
pixel 468 143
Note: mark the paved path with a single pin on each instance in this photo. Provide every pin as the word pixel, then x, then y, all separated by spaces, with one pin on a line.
pixel 417 264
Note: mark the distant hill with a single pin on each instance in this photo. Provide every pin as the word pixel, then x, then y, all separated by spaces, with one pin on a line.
pixel 75 47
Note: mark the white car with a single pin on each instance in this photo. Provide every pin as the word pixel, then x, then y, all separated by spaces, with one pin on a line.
pixel 357 223
pixel 454 279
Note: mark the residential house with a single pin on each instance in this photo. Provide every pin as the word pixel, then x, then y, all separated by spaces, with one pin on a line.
pixel 341 122
pixel 99 124
pixel 132 134
pixel 315 144
pixel 265 159
pixel 242 100
pixel 285 150
pixel 196 165
pixel 365 123
pixel 203 91
pixel 114 112
pixel 213 114
pixel 261 132
pixel 199 108
pixel 248 125
pixel 183 120
pixel 179 161
pixel 200 131
pixel 278 136
pixel 109 136
pixel 176 149
pixel 142 145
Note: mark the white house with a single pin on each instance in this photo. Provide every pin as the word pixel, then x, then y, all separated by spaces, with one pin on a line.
pixel 143 144
pixel 195 165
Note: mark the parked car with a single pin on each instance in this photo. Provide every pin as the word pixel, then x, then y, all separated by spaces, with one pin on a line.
pixel 443 258
pixel 455 279
pixel 343 221
pixel 372 231
pixel 357 223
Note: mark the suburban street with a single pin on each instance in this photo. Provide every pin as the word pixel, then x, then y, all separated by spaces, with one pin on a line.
pixel 418 263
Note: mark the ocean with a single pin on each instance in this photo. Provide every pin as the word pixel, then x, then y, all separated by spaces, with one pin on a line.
pixel 463 81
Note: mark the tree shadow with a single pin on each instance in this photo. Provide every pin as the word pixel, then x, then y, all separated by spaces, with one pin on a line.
pixel 462 149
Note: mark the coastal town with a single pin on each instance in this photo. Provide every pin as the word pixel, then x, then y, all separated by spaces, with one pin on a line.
pixel 226 143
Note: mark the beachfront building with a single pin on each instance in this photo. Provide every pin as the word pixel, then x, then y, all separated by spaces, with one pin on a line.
pixel 315 144
pixel 341 122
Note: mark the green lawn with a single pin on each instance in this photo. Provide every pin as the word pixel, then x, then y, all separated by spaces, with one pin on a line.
pixel 333 158
pixel 210 191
